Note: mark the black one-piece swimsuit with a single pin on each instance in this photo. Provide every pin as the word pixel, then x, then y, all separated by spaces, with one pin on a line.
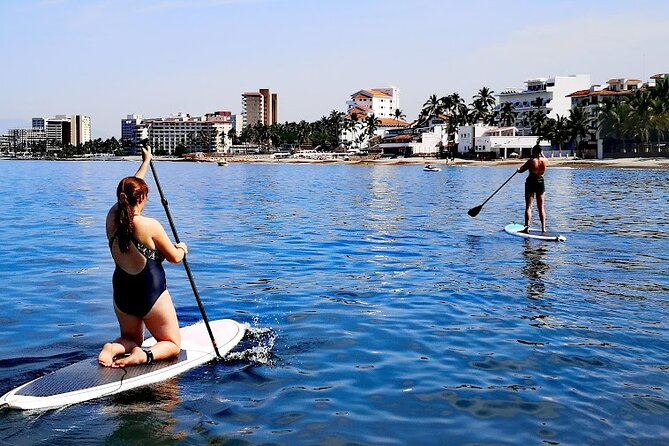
pixel 136 294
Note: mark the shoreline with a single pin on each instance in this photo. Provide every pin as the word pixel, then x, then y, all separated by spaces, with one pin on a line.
pixel 563 162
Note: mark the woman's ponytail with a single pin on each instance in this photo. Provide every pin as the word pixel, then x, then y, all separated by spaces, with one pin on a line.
pixel 128 193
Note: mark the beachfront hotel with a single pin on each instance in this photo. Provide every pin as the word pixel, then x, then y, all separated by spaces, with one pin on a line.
pixel 67 129
pixel 382 102
pixel 180 131
pixel 260 108
pixel 548 95
pixel 591 101
pixel 49 133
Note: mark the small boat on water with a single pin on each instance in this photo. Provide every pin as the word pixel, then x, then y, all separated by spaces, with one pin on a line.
pixel 430 168
pixel 222 163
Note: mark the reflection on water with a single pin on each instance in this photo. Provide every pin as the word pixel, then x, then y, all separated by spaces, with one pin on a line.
pixel 534 268
pixel 146 409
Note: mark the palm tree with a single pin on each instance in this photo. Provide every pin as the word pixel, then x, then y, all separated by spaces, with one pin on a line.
pixel 355 128
pixel 614 121
pixel 507 114
pixel 640 115
pixel 371 124
pixel 482 106
pixel 346 127
pixel 538 123
pixel 559 132
pixel 458 108
pixel 303 132
pixel 232 135
pixel 431 108
pixel 336 120
pixel 399 115
pixel 578 125
pixel 659 108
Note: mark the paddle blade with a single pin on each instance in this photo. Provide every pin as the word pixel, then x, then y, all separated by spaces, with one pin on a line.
pixel 473 212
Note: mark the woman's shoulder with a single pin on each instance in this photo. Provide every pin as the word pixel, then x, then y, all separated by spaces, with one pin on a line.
pixel 147 224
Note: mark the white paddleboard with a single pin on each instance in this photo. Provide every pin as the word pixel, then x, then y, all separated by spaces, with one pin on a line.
pixel 85 380
pixel 515 229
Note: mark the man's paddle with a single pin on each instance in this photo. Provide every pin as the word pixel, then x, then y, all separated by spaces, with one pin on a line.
pixel 473 212
pixel 185 262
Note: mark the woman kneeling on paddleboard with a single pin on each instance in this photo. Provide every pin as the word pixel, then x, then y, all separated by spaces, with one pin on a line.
pixel 138 246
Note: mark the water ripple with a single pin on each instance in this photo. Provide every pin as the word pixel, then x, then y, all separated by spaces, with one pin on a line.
pixel 378 311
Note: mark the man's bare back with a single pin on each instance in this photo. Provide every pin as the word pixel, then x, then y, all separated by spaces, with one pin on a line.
pixel 536 166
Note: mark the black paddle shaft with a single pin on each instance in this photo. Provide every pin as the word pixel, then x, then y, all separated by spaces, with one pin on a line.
pixel 473 212
pixel 166 205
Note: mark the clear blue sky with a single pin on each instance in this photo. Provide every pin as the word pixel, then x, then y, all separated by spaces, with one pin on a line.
pixel 107 59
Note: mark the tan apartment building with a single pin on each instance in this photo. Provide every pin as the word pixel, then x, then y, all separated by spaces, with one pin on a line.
pixel 262 106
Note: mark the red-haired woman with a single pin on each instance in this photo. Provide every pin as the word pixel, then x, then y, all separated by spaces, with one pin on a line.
pixel 138 246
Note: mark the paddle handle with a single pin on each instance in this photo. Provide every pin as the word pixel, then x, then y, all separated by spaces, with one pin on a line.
pixel 166 205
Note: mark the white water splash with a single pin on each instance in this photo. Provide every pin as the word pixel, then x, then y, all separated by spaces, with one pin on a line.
pixel 255 347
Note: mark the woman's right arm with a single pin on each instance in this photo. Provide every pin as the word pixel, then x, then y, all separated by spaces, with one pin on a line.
pixel 146 160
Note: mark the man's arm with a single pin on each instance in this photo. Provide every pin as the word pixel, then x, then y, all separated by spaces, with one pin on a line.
pixel 525 166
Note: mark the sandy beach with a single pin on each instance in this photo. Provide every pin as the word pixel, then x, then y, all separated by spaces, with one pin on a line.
pixel 569 162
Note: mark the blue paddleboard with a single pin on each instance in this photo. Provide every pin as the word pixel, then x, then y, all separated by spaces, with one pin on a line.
pixel 515 229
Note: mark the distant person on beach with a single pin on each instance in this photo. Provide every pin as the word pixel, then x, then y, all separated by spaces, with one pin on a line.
pixel 534 186
pixel 138 246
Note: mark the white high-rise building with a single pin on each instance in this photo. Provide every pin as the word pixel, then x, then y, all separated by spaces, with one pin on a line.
pixel 381 101
pixel 548 95
pixel 206 134
pixel 68 129
pixel 57 130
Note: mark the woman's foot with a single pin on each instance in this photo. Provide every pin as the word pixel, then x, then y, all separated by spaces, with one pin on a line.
pixel 136 357
pixel 106 356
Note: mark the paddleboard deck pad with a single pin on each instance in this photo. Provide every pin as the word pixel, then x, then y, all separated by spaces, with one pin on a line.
pixel 516 229
pixel 86 380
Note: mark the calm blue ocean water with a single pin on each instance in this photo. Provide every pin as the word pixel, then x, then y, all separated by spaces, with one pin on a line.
pixel 381 313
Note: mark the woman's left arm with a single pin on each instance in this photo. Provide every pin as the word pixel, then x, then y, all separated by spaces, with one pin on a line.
pixel 146 160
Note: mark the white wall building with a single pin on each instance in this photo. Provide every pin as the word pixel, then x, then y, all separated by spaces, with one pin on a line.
pixel 381 101
pixel 548 95
pixel 222 121
pixel 498 142
pixel 194 133
pixel 467 135
pixel 26 139
pixel 357 136
pixel 237 123
pixel 429 142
